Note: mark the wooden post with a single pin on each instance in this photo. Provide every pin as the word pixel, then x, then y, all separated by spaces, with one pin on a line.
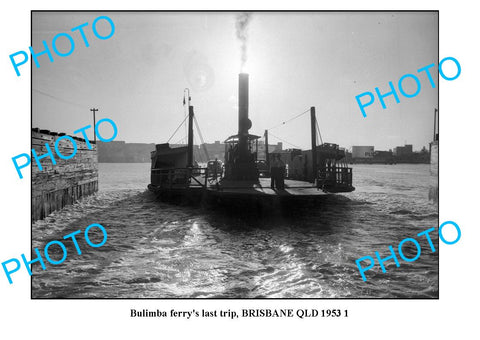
pixel 266 150
pixel 94 134
pixel 435 125
pixel 314 143
pixel 190 138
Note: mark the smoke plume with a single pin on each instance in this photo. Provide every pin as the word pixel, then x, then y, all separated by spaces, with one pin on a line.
pixel 241 25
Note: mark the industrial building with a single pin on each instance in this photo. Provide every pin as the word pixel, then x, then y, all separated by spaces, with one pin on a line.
pixel 403 150
pixel 363 151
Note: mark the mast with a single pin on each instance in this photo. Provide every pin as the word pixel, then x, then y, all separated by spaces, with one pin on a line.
pixel 314 142
pixel 266 150
pixel 186 105
pixel 190 138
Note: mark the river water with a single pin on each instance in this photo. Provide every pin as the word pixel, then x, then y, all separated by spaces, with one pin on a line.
pixel 157 250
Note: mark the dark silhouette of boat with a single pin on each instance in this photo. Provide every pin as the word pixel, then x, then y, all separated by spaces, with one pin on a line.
pixel 309 174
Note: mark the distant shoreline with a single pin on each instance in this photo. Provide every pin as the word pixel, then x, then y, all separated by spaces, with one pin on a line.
pixel 355 163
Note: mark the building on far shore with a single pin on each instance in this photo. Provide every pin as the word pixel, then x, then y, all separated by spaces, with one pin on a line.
pixel 403 150
pixel 215 150
pixel 122 152
pixel 400 154
pixel 271 148
pixel 405 154
pixel 362 151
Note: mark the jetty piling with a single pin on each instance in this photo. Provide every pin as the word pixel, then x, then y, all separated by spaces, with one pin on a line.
pixel 65 182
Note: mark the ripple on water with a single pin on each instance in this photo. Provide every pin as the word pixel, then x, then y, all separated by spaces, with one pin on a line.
pixel 165 251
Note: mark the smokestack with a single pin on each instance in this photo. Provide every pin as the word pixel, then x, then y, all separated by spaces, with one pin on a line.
pixel 243 165
pixel 243 122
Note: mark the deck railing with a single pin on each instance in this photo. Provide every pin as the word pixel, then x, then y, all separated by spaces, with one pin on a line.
pixel 183 178
pixel 334 176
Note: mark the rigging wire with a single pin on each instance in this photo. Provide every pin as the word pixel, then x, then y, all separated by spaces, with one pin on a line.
pixel 283 140
pixel 180 141
pixel 177 129
pixel 197 155
pixel 59 99
pixel 289 120
pixel 318 131
pixel 201 138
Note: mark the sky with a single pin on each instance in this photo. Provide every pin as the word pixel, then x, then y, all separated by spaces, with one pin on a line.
pixel 295 60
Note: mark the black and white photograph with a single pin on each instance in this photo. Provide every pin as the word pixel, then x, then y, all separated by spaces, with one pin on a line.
pixel 238 170
pixel 235 155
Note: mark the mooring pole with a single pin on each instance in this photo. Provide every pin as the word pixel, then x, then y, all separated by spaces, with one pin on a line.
pixel 267 159
pixel 313 123
pixel 94 122
pixel 190 138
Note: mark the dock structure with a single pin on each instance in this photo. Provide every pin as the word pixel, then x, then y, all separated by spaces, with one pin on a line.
pixel 433 189
pixel 232 187
pixel 65 182
pixel 262 188
pixel 199 185
pixel 434 160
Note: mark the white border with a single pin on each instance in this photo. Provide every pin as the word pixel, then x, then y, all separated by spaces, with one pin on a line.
pixel 453 315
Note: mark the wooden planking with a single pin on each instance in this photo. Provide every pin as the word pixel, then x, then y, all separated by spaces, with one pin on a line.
pixel 66 181
pixel 262 188
pixel 46 202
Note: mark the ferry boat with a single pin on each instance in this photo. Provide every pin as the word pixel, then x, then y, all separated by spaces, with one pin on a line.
pixel 244 178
